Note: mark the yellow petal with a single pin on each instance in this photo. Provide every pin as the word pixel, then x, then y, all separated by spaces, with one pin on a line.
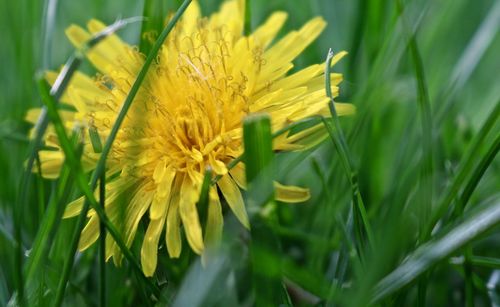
pixel 234 199
pixel 149 250
pixel 90 233
pixel 289 47
pixel 191 17
pixel 162 197
pixel 341 108
pixel 51 163
pixel 238 175
pixel 136 209
pixel 173 234
pixel 189 215
pixel 302 140
pixel 218 166
pixel 74 207
pixel 267 32
pixel 290 194
pixel 230 16
pixel 159 171
pixel 215 221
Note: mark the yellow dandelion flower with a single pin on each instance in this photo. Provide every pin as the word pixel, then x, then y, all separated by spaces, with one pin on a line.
pixel 187 117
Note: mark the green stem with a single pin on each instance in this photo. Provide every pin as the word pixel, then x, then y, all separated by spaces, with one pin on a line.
pixel 102 241
pixel 248 18
pixel 469 283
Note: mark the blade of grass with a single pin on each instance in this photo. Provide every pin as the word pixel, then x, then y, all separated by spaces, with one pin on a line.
pixel 260 172
pixel 465 167
pixel 427 255
pixel 478 173
pixel 362 224
pixel 154 12
pixel 469 284
pixel 102 243
pixel 203 200
pixel 487 262
pixel 48 227
pixel 424 104
pixel 478 45
pixel 248 17
pixel 49 19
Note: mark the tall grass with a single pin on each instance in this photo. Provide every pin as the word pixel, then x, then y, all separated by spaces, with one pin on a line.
pixel 405 194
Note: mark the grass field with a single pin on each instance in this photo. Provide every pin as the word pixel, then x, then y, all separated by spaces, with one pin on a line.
pixel 405 193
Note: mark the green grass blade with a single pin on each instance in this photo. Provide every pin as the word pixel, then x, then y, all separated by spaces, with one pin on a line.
pixel 338 138
pixel 264 246
pixel 248 18
pixel 478 173
pixel 95 140
pixel 47 229
pixel 426 177
pixel 487 262
pixel 49 20
pixel 432 253
pixel 154 12
pixel 424 105
pixel 469 60
pixel 102 243
pixel 465 166
pixel 259 160
pixel 203 200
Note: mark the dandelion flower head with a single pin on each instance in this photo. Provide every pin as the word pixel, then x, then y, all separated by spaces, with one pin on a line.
pixel 186 117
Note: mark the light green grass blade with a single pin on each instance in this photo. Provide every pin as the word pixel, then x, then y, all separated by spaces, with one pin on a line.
pixel 432 253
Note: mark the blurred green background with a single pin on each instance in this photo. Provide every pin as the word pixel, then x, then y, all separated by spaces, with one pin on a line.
pixel 459 46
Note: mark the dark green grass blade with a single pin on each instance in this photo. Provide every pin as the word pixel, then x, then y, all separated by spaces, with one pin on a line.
pixel 264 246
pixel 425 176
pixel 248 18
pixel 432 253
pixel 259 160
pixel 203 200
pixel 465 166
pixel 424 105
pixel 338 138
pixel 102 243
pixel 487 262
pixel 476 176
pixel 55 208
pixel 155 13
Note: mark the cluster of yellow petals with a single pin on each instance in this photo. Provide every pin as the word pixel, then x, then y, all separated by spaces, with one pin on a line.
pixel 187 117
